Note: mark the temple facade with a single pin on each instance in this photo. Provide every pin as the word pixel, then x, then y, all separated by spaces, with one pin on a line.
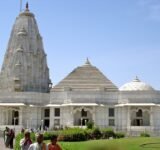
pixel 28 99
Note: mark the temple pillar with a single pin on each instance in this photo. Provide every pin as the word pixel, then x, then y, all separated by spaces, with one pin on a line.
pixel 51 125
pixel 128 117
pixel 20 115
pixel 71 116
pixel 93 115
pixel 151 117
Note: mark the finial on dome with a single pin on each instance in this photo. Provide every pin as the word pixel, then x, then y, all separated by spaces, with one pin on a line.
pixel 136 79
pixel 27 6
pixel 87 62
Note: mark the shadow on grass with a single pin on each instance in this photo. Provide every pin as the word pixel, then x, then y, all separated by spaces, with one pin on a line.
pixel 151 145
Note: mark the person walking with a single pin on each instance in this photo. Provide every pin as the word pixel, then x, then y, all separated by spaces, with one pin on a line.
pixel 53 145
pixel 8 137
pixel 26 141
pixel 39 145
pixel 12 136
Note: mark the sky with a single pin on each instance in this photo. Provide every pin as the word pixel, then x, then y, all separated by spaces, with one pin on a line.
pixel 120 37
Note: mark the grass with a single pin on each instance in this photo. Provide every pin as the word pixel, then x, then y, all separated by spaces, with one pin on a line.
pixel 151 143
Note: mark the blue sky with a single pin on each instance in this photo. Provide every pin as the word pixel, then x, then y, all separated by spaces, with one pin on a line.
pixel 120 37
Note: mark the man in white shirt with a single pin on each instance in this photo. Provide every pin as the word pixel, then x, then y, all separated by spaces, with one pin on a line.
pixel 39 145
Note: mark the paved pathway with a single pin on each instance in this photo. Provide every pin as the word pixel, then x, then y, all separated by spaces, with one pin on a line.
pixel 2 146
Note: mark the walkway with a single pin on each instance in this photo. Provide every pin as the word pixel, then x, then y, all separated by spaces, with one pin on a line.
pixel 2 146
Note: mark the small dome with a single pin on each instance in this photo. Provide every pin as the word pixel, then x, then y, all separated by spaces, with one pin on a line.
pixel 136 85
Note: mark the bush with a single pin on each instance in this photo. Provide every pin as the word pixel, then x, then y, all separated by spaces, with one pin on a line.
pixel 107 133
pixel 17 141
pixel 90 124
pixel 48 135
pixel 119 135
pixel 89 134
pixel 70 134
pixel 144 134
pixel 73 134
pixel 96 133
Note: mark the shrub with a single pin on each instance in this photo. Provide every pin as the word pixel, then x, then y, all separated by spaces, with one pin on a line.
pixel 144 134
pixel 96 133
pixel 89 134
pixel 73 134
pixel 108 132
pixel 48 135
pixel 90 124
pixel 17 141
pixel 119 135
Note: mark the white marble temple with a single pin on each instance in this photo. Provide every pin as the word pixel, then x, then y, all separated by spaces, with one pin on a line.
pixel 86 94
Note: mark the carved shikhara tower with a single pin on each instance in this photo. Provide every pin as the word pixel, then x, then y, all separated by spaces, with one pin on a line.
pixel 25 66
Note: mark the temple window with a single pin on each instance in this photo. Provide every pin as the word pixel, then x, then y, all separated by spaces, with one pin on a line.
pixel 111 112
pixel 57 112
pixel 46 113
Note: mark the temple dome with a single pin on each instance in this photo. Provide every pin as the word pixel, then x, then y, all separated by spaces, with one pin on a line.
pixel 136 85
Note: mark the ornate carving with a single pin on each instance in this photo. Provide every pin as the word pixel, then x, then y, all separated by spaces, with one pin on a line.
pixel 84 108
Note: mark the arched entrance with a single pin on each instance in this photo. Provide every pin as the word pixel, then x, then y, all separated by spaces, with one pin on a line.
pixel 82 115
pixel 10 116
pixel 140 117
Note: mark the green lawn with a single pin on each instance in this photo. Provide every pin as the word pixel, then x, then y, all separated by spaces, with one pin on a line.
pixel 115 144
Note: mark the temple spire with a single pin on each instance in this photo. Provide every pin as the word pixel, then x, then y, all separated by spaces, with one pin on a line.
pixel 20 71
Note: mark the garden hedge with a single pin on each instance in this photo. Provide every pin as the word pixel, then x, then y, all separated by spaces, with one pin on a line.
pixel 74 134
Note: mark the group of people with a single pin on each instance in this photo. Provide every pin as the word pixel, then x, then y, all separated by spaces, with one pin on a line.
pixel 26 143
pixel 9 135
